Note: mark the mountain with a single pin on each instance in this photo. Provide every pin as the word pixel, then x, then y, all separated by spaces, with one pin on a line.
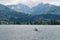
pixel 46 9
pixel 39 12
pixel 7 14
pixel 36 10
pixel 41 8
pixel 20 8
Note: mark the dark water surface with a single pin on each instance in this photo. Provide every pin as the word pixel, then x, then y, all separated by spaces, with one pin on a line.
pixel 26 32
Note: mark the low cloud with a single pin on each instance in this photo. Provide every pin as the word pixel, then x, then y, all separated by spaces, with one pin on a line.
pixel 29 2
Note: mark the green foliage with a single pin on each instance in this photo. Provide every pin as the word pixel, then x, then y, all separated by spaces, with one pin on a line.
pixel 47 22
pixel 37 22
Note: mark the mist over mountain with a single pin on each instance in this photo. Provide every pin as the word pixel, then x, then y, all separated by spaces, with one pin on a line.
pixel 46 9
pixel 20 8
pixel 39 9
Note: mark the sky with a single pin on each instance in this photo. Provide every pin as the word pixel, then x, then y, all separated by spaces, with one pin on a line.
pixel 30 3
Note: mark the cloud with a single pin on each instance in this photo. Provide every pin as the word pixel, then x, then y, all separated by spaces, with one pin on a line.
pixel 55 3
pixel 29 2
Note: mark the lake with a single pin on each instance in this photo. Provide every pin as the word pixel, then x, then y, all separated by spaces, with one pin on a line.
pixel 26 32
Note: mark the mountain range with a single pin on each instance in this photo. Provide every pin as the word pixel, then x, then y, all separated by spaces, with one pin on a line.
pixel 23 13
pixel 36 10
pixel 7 14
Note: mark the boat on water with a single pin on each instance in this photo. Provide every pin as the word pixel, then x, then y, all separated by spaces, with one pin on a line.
pixel 35 29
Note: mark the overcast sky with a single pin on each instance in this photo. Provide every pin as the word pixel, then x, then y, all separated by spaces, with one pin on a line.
pixel 29 2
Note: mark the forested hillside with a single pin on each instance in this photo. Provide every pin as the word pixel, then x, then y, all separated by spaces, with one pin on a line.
pixel 42 14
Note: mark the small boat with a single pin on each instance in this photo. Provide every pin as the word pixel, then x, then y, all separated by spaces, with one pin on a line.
pixel 36 29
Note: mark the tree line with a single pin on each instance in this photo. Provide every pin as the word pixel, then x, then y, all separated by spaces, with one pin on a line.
pixel 36 22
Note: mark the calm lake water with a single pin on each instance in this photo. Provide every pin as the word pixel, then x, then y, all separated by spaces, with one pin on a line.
pixel 26 32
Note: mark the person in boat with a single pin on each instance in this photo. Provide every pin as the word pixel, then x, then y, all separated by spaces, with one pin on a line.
pixel 36 29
